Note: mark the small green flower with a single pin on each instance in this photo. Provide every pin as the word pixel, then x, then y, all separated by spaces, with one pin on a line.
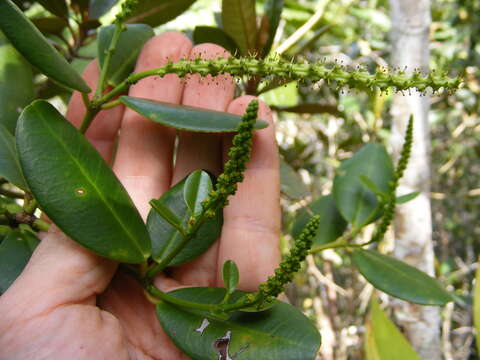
pixel 269 290
pixel 235 167
pixel 389 207
pixel 128 7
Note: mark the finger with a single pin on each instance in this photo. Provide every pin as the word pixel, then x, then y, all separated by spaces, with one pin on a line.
pixel 202 151
pixel 144 158
pixel 60 272
pixel 104 129
pixel 251 226
pixel 198 150
pixel 138 319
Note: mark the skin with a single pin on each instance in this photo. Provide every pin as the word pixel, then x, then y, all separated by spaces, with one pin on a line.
pixel 72 304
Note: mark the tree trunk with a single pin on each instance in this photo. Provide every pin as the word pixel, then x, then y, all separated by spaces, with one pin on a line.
pixel 413 225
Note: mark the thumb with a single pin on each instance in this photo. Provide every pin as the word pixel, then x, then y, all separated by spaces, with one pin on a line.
pixel 60 272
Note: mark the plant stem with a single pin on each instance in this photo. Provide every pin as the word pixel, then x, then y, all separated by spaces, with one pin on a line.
pixel 41 225
pixel 335 73
pixel 343 241
pixel 86 100
pixel 189 234
pixel 152 290
pixel 119 27
pixel 111 104
pixel 11 193
pixel 29 203
pixel 88 118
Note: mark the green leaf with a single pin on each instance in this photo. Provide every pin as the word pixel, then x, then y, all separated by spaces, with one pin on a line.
pixel 210 34
pixel 358 204
pixel 16 84
pixel 240 23
pixel 369 345
pixel 282 332
pixel 407 197
pixel 30 42
pixel 230 276
pixel 162 210
pixel 98 8
pixel 76 188
pixel 398 279
pixel 15 251
pixel 332 224
pixel 123 59
pixel 186 117
pixel 9 165
pixel 370 185
pixel 50 25
pixel 270 21
pixel 166 237
pixel 158 12
pixel 56 7
pixel 476 308
pixel 387 341
pixel 291 184
pixel 196 189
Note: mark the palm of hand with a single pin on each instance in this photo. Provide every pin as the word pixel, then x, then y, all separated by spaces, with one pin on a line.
pixel 72 304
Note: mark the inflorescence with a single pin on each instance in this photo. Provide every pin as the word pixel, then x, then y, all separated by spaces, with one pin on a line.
pixel 128 7
pixel 234 168
pixel 389 208
pixel 336 75
pixel 275 284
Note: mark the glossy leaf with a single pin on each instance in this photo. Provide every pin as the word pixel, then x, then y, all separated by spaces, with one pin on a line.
pixel 9 165
pixel 399 279
pixel 269 25
pixel 476 308
pixel 332 224
pixel 210 34
pixel 50 25
pixel 98 8
pixel 240 23
pixel 165 237
pixel 407 197
pixel 56 7
pixel 76 188
pixel 230 276
pixel 164 211
pixel 196 189
pixel 282 332
pixel 16 84
pixel 30 42
pixel 186 117
pixel 15 251
pixel 158 12
pixel 291 184
pixel 386 341
pixel 356 202
pixel 124 57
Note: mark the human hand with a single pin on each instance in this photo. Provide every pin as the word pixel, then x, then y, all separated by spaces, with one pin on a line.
pixel 72 304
